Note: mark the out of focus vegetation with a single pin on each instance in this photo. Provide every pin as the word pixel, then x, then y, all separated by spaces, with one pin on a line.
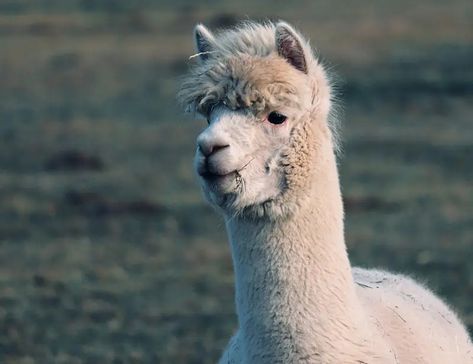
pixel 108 253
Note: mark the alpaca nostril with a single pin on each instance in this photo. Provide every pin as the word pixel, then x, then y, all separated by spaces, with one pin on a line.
pixel 216 148
pixel 208 150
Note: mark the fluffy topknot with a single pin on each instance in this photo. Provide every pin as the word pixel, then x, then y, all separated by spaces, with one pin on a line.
pixel 247 67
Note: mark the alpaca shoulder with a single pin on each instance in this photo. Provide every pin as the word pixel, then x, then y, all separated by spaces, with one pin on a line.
pixel 418 325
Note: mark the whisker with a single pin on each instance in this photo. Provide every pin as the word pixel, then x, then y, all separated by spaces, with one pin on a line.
pixel 246 165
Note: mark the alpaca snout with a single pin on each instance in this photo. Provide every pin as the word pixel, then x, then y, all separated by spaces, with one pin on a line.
pixel 210 142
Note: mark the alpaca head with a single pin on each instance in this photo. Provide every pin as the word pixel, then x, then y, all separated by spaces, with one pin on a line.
pixel 266 99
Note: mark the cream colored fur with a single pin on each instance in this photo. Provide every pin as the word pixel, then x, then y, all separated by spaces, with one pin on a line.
pixel 297 298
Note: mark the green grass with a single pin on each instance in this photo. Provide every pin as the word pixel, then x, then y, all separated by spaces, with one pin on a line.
pixel 121 261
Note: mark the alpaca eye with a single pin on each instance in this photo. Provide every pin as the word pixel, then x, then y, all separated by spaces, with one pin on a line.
pixel 276 118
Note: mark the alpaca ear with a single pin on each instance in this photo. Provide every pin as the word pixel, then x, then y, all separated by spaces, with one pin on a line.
pixel 289 46
pixel 204 41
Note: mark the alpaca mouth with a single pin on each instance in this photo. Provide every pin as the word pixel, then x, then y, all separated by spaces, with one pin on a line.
pixel 211 177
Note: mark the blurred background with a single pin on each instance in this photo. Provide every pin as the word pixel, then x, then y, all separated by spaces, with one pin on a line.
pixel 108 253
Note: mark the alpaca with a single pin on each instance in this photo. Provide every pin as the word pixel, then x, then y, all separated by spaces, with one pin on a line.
pixel 267 162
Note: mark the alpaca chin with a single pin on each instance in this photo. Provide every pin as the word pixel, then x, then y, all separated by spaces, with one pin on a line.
pixel 232 198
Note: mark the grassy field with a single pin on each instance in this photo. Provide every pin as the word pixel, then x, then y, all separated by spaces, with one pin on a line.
pixel 108 253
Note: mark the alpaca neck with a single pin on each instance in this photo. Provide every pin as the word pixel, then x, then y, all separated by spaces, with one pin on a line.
pixel 295 295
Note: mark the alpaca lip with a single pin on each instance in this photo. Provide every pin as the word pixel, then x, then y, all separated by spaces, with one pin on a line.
pixel 208 176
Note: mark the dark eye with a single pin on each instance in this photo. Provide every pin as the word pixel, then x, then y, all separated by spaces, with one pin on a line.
pixel 276 118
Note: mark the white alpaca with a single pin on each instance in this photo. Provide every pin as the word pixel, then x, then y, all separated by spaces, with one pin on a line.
pixel 267 162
